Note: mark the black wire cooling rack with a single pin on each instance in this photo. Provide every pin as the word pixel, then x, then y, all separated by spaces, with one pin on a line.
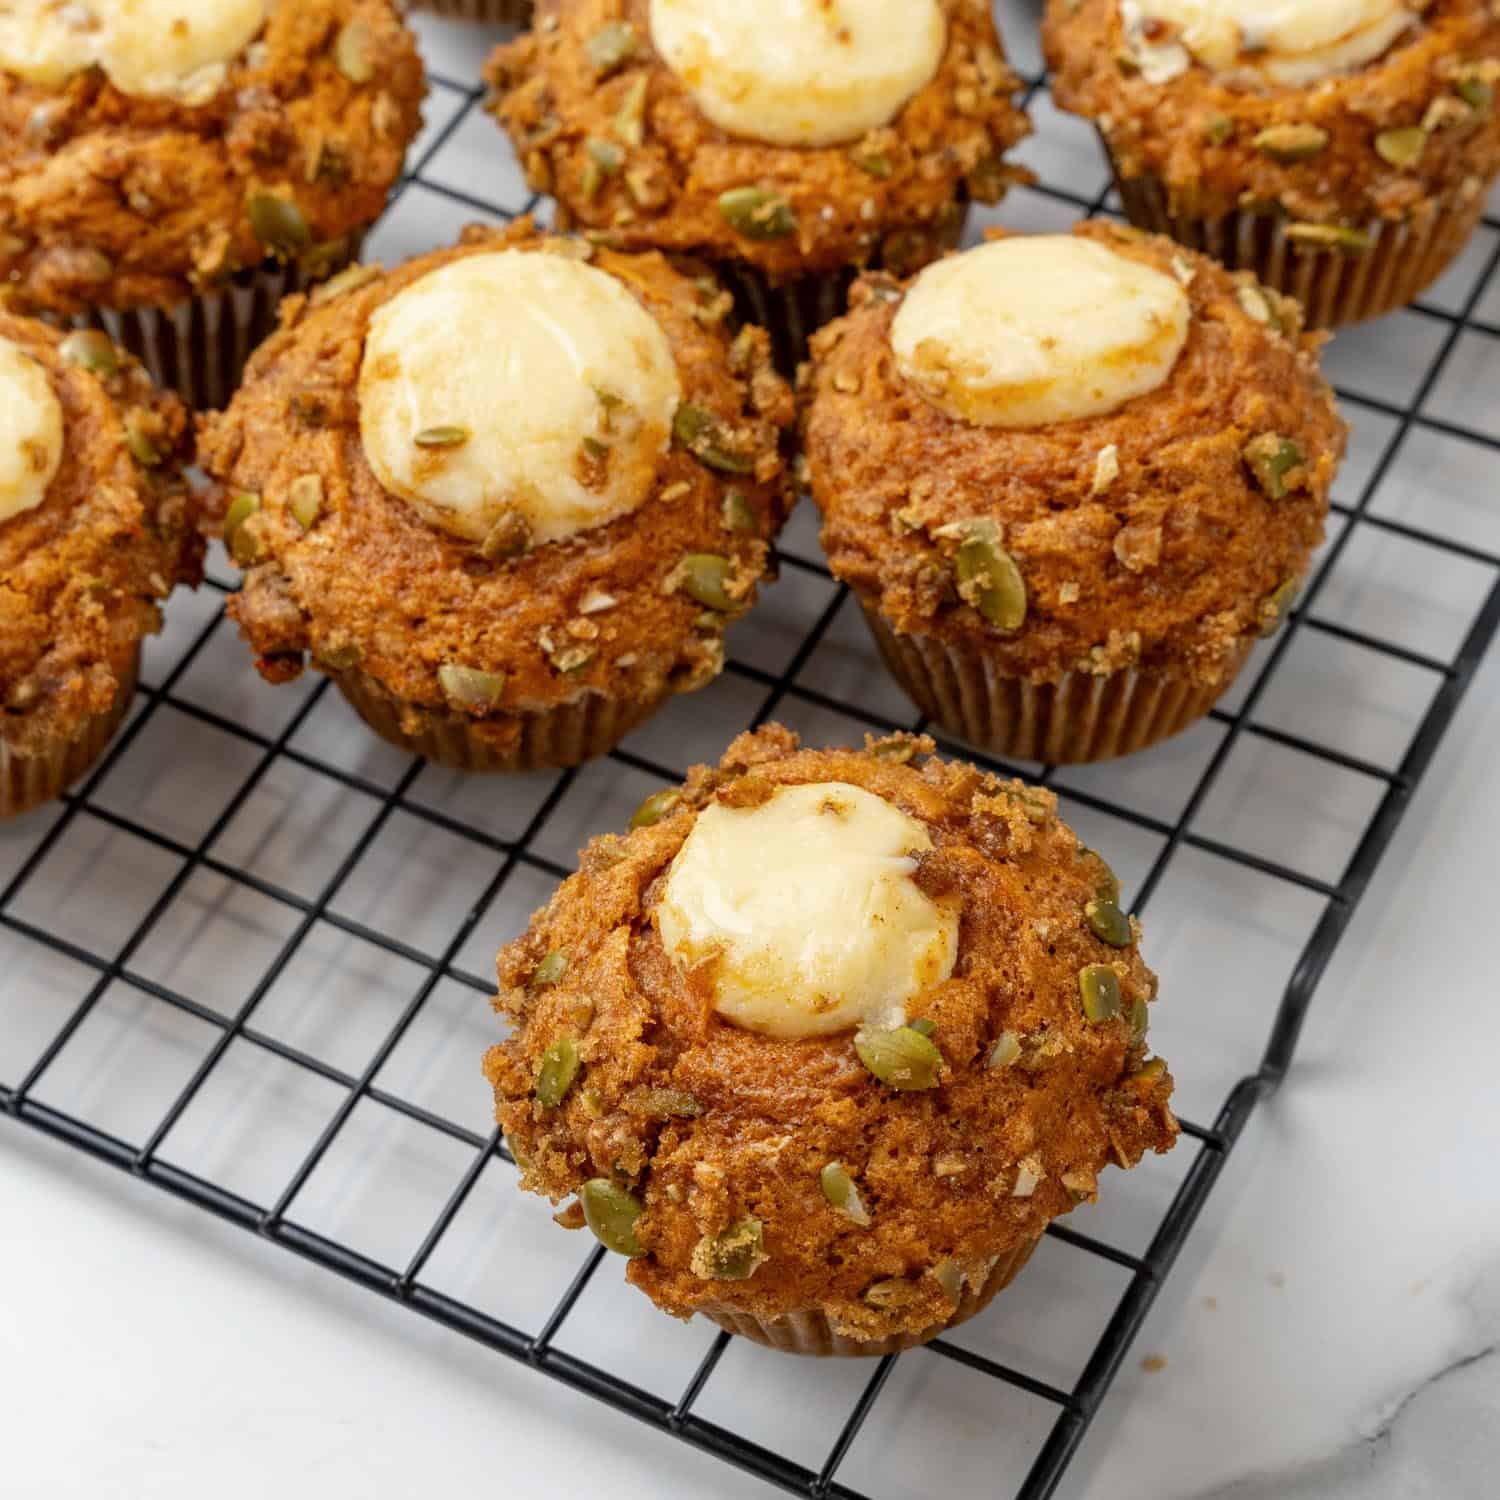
pixel 97 890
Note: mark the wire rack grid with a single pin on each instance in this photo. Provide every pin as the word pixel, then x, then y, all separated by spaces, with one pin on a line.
pixel 247 959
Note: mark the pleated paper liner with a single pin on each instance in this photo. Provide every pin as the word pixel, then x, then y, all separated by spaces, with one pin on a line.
pixel 554 739
pixel 200 347
pixel 31 781
pixel 792 311
pixel 1387 267
pixel 1077 719
pixel 502 12
pixel 811 1333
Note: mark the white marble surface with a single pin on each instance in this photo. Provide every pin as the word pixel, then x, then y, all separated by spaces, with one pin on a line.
pixel 1327 1332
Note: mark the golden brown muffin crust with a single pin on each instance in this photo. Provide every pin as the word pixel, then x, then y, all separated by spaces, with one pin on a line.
pixel 112 201
pixel 1198 131
pixel 373 583
pixel 1171 562
pixel 937 1170
pixel 565 117
pixel 81 575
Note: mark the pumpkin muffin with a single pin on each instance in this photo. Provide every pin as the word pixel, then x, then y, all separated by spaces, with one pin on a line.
pixel 508 495
pixel 786 143
pixel 1071 479
pixel 1343 152
pixel 170 169
pixel 828 1039
pixel 97 526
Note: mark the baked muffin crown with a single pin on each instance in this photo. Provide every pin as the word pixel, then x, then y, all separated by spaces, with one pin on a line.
pixel 1386 140
pixel 1164 532
pixel 119 199
pixel 83 573
pixel 603 124
pixel 790 1159
pixel 339 567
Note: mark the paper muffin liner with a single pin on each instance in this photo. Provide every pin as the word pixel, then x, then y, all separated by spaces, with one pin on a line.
pixel 504 12
pixel 30 781
pixel 1334 286
pixel 810 1332
pixel 199 348
pixel 553 739
pixel 792 311
pixel 1079 718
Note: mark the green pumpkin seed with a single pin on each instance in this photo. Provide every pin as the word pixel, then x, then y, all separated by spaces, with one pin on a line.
pixel 1150 1071
pixel 556 1072
pixel 1108 923
pixel 704 577
pixel 245 504
pixel 352 50
pixel 1259 306
pixel 1401 148
pixel 873 162
pixel 304 499
pixel 610 47
pixel 1140 1021
pixel 611 1213
pixel 757 214
pixel 442 437
pixel 1270 458
pixel 902 1058
pixel 950 1278
pixel 1006 1050
pixel 142 449
pixel 278 224
pixel 550 970
pixel 734 1254
pixel 924 1026
pixel 509 537
pixel 1291 143
pixel 470 688
pixel 703 435
pixel 1331 237
pixel 842 1195
pixel 989 579
pixel 91 349
pixel 517 1155
pixel 738 513
pixel 605 155
pixel 1099 989
pixel 1217 129
pixel 655 808
pixel 1476 93
pixel 1279 605
pixel 630 123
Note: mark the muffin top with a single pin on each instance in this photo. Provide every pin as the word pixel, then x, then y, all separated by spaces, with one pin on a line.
pixel 96 525
pixel 1078 452
pixel 1338 113
pixel 829 1030
pixel 796 136
pixel 148 150
pixel 502 476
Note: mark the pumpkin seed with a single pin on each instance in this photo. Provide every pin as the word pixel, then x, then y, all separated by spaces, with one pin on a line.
pixel 142 449
pixel 351 52
pixel 923 1026
pixel 738 513
pixel 703 435
pixel 556 1072
pixel 1331 237
pixel 950 1278
pixel 902 1058
pixel 989 579
pixel 1140 1021
pixel 245 504
pixel 1401 148
pixel 610 47
pixel 1217 129
pixel 510 536
pixel 757 213
pixel 874 162
pixel 442 437
pixel 611 1213
pixel 842 1195
pixel 1006 1050
pixel 630 123
pixel 550 970
pixel 1270 458
pixel 1279 605
pixel 734 1254
pixel 655 808
pixel 1291 143
pixel 1476 93
pixel 304 499
pixel 1108 923
pixel 278 224
pixel 470 688
pixel 705 578
pixel 92 350
pixel 1099 989
pixel 1258 305
pixel 341 658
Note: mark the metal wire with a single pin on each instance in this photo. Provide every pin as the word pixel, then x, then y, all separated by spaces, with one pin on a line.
pixel 1075 1405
